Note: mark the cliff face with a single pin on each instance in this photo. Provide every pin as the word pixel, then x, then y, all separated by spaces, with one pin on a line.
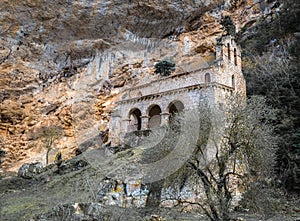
pixel 64 62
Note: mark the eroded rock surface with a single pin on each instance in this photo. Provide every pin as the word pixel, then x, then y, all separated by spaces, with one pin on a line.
pixel 65 62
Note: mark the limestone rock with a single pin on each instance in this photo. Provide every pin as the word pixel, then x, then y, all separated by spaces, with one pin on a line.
pixel 66 62
pixel 29 171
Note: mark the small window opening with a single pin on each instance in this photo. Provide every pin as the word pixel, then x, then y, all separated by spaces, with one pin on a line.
pixel 221 51
pixel 207 78
pixel 233 81
pixel 235 57
pixel 228 48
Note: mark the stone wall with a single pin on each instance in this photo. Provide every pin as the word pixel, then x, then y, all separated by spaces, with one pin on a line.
pixel 222 78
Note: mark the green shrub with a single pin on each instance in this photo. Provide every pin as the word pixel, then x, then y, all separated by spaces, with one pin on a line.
pixel 228 25
pixel 164 68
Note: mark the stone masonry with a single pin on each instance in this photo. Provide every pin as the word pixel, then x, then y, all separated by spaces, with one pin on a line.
pixel 150 105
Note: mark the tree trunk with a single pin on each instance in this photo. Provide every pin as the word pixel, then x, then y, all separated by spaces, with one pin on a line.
pixel 47 156
pixel 154 195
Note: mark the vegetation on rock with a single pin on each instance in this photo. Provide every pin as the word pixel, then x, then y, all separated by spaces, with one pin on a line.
pixel 35 46
pixel 228 25
pixel 164 68
pixel 271 68
pixel 48 136
pixel 244 151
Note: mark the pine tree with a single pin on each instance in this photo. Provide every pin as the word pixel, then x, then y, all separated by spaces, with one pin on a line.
pixel 164 68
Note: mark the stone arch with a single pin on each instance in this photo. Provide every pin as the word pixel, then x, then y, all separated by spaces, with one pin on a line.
pixel 135 122
pixel 207 78
pixel 175 106
pixel 154 113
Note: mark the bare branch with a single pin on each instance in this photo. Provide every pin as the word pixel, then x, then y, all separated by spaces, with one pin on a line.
pixel 6 30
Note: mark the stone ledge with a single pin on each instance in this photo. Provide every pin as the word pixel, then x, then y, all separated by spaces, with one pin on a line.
pixel 164 78
pixel 178 90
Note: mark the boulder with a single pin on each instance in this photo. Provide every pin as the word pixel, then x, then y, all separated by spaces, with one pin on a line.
pixel 30 170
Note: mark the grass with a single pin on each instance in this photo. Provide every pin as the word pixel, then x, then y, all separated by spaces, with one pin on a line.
pixel 23 199
pixel 21 208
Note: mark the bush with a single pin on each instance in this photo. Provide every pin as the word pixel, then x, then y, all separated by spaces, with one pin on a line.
pixel 164 68
pixel 228 25
pixel 261 198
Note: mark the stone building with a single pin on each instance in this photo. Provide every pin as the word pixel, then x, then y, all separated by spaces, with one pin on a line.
pixel 150 105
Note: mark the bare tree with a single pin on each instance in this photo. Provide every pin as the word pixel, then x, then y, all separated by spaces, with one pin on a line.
pixel 48 136
pixel 275 74
pixel 245 140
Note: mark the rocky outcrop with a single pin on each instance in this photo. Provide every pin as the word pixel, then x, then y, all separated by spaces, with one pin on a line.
pixel 98 211
pixel 28 171
pixel 66 62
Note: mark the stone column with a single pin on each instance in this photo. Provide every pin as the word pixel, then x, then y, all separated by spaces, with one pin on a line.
pixel 145 121
pixel 164 118
pixel 126 127
pixel 115 128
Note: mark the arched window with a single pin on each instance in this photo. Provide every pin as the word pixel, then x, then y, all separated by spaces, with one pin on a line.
pixel 228 51
pixel 154 116
pixel 235 57
pixel 135 122
pixel 233 81
pixel 207 78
